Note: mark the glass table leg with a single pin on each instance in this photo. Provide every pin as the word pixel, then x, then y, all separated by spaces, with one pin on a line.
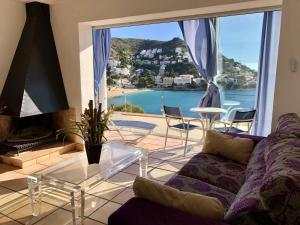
pixel 77 204
pixel 144 164
pixel 35 191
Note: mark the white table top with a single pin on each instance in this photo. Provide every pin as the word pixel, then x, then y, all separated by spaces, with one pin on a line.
pixel 209 110
pixel 231 103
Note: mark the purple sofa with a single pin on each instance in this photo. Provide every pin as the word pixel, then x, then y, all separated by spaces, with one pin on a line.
pixel 265 191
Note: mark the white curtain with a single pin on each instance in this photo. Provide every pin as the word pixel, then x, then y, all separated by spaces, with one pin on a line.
pixel 267 73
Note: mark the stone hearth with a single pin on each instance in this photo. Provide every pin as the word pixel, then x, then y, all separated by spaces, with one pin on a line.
pixel 46 152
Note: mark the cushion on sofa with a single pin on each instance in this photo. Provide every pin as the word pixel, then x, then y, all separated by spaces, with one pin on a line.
pixel 280 190
pixel 289 123
pixel 193 203
pixel 215 170
pixel 234 148
pixel 189 184
pixel 138 211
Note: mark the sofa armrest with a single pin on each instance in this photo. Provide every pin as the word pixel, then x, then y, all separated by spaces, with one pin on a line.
pixel 138 211
pixel 254 138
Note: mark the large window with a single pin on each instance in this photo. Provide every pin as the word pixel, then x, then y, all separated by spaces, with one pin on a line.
pixel 150 66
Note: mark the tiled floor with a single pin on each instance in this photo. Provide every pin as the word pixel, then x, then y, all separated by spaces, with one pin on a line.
pixel 101 200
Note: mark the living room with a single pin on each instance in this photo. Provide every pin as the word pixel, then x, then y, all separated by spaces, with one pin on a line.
pixel 72 24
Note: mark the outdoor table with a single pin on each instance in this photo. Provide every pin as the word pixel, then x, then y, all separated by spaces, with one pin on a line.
pixel 204 112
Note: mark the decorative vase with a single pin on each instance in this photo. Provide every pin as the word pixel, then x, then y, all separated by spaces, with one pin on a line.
pixel 93 153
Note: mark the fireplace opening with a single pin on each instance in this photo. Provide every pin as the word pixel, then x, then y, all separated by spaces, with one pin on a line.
pixel 31 128
pixel 28 133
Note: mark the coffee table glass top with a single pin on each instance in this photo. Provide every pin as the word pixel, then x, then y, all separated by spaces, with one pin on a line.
pixel 76 170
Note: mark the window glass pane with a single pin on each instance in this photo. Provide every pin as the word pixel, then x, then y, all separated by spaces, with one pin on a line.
pixel 239 39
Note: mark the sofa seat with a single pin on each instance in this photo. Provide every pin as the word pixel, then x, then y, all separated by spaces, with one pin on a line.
pixel 215 170
pixel 189 184
pixel 138 211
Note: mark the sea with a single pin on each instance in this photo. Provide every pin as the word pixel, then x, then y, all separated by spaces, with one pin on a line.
pixel 151 101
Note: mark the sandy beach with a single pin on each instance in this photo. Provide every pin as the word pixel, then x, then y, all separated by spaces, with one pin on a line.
pixel 117 91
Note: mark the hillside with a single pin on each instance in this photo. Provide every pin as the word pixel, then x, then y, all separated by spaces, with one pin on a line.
pixel 148 58
pixel 134 46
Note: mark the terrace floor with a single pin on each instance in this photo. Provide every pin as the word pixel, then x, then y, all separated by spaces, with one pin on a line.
pixel 101 200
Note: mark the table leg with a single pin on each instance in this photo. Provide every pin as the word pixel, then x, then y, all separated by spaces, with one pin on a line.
pixel 144 164
pixel 35 191
pixel 78 204
pixel 211 122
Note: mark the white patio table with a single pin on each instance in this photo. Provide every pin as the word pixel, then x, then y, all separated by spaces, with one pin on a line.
pixel 204 112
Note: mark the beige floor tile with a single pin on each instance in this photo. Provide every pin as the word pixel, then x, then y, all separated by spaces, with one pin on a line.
pixel 4 192
pixel 52 161
pixel 104 212
pixel 31 169
pixel 162 155
pixel 106 190
pixel 9 201
pixel 7 221
pixel 59 217
pixel 152 162
pixel 162 175
pixel 124 196
pixel 123 179
pixel 171 166
pixel 56 198
pixel 13 203
pixel 13 180
pixel 6 168
pixel 24 214
pixel 92 203
pixel 92 222
pixel 135 169
pixel 70 154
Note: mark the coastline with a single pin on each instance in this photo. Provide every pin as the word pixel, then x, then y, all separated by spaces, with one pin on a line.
pixel 117 91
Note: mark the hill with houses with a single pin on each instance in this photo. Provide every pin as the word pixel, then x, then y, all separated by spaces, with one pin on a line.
pixel 167 64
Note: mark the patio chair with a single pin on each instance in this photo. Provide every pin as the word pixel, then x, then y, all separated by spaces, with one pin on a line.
pixel 182 125
pixel 130 125
pixel 239 118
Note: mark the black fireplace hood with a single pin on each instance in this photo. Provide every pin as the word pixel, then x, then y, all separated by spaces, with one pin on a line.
pixel 34 84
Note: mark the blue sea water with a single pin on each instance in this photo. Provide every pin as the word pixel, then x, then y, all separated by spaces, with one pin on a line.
pixel 151 101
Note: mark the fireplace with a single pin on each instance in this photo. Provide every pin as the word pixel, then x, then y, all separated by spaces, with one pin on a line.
pixel 18 135
pixel 33 95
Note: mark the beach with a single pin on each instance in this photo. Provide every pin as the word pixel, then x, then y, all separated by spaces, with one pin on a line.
pixel 117 91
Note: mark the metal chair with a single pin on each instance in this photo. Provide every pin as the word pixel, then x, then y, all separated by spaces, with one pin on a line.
pixel 239 117
pixel 174 114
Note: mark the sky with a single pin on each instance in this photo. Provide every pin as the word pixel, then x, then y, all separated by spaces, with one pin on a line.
pixel 240 36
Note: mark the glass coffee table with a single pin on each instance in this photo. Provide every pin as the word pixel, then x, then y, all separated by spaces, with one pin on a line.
pixel 74 175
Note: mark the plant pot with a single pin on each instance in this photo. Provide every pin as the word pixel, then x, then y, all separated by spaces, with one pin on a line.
pixel 93 153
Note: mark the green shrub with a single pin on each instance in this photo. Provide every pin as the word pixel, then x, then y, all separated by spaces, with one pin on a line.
pixel 128 108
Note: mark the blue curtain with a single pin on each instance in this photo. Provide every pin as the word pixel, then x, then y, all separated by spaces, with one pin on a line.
pixel 101 51
pixel 267 72
pixel 200 38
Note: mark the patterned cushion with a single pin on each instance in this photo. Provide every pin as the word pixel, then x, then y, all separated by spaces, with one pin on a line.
pixel 289 123
pixel 215 170
pixel 280 191
pixel 247 207
pixel 189 184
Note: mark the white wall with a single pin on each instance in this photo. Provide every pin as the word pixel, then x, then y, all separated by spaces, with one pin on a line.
pixel 67 14
pixel 287 90
pixel 12 20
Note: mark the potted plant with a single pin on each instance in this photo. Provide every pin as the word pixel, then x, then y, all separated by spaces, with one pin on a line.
pixel 91 128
